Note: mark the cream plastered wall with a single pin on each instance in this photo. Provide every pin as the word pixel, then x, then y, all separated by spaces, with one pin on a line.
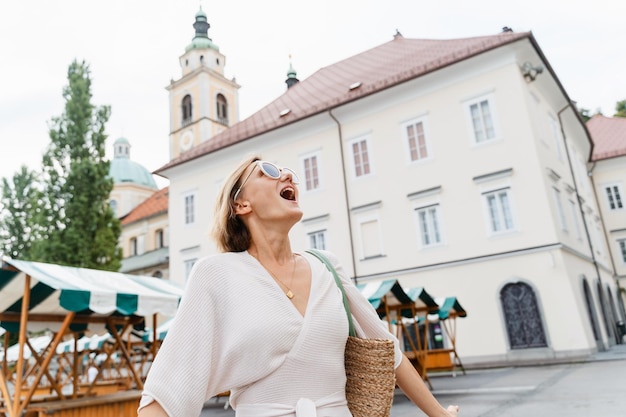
pixel 146 228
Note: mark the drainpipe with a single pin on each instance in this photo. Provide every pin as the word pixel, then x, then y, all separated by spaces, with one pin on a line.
pixel 578 198
pixel 345 192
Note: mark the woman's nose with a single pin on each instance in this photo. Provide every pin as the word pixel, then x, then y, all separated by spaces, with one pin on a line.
pixel 286 174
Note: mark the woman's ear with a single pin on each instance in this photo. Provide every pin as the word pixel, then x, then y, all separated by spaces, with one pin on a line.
pixel 242 207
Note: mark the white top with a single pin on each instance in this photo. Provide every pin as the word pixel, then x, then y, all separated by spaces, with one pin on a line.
pixel 236 330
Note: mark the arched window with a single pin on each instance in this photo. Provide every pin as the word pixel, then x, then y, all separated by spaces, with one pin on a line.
pixel 521 314
pixel 615 318
pixel 591 310
pixel 222 109
pixel 603 306
pixel 187 110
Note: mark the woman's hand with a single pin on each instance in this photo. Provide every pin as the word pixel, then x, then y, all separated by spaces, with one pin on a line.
pixel 453 410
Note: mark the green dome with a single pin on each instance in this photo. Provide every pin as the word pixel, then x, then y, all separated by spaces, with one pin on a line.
pixel 201 43
pixel 123 170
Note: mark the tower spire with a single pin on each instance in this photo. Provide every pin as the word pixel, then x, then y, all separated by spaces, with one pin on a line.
pixel 201 38
pixel 292 75
pixel 201 25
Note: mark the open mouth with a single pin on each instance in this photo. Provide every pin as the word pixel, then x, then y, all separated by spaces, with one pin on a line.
pixel 288 193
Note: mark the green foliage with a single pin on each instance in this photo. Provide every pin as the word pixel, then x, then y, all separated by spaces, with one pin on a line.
pixel 620 109
pixel 80 229
pixel 19 204
pixel 585 114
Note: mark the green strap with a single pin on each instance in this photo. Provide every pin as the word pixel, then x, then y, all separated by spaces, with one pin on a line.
pixel 346 305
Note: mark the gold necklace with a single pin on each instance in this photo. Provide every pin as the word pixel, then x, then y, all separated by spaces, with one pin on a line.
pixel 289 293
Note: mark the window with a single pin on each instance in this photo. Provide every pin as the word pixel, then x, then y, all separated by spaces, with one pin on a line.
pixel 186 110
pixel 360 158
pixel 556 136
pixel 580 168
pixel 370 238
pixel 482 120
pixel 521 316
pixel 429 228
pixel 113 205
pixel 189 263
pixel 559 208
pixel 159 242
pixel 317 240
pixel 595 232
pixel 614 196
pixel 499 210
pixel 416 140
pixel 133 246
pixel 222 109
pixel 311 173
pixel 622 249
pixel 574 211
pixel 190 209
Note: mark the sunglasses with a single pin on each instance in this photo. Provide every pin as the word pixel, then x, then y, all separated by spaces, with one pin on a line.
pixel 269 170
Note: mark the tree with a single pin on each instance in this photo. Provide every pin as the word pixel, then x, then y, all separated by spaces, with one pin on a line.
pixel 19 204
pixel 620 109
pixel 584 113
pixel 80 228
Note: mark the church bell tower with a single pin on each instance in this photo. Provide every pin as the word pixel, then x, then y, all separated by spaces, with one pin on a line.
pixel 203 102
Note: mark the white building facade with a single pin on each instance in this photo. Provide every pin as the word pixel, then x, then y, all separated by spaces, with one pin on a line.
pixel 608 173
pixel 459 166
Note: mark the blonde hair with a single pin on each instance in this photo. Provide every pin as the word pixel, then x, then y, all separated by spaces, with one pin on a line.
pixel 229 231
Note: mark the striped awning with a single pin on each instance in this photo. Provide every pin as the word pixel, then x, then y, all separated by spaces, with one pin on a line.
pixel 57 290
pixel 422 300
pixel 93 342
pixel 450 307
pixel 38 343
pixel 161 331
pixel 390 289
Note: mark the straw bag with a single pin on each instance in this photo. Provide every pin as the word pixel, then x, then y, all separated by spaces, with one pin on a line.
pixel 370 369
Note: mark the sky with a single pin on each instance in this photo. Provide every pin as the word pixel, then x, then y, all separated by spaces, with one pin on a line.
pixel 132 48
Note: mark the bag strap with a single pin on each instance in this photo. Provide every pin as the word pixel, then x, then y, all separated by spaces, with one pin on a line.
pixel 346 305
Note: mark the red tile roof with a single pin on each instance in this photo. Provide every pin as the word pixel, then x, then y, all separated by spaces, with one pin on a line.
pixel 157 203
pixel 608 135
pixel 379 68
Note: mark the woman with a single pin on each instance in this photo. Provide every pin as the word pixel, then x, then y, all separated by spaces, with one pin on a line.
pixel 263 322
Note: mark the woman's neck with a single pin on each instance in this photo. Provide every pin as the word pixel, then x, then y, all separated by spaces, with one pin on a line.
pixel 276 251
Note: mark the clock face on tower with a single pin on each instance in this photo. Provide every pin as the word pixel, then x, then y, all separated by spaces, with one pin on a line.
pixel 186 141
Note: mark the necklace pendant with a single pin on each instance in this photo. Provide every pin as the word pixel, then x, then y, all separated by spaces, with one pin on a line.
pixel 289 294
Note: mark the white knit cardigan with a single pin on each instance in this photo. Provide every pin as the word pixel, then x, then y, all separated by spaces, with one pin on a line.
pixel 236 330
